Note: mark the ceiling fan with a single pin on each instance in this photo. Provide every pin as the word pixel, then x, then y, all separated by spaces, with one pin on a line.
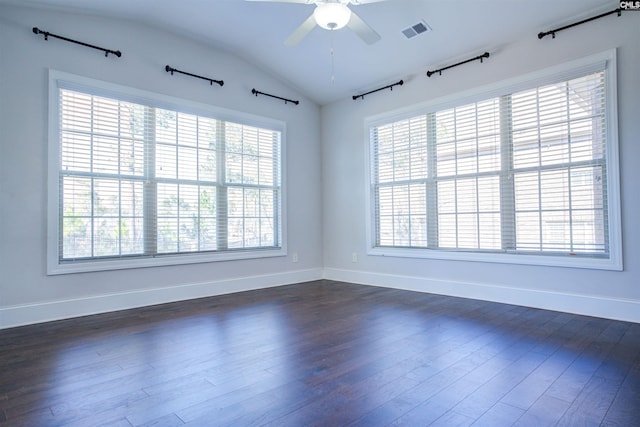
pixel 331 15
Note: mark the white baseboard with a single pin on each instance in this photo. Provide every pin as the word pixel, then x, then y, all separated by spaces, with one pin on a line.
pixel 609 308
pixel 27 314
pixel 617 309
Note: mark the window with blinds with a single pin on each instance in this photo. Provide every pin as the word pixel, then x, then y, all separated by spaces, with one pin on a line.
pixel 139 181
pixel 521 173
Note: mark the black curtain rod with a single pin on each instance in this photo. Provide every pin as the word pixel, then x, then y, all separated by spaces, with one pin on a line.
pixel 257 92
pixel 553 32
pixel 400 83
pixel 171 70
pixel 47 34
pixel 481 57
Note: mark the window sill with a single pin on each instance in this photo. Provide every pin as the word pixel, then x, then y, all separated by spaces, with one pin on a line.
pixel 570 261
pixel 69 267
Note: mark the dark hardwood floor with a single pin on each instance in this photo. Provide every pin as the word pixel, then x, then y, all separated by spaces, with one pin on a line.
pixel 323 353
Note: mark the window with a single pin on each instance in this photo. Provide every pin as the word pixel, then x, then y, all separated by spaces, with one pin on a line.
pixel 526 174
pixel 142 183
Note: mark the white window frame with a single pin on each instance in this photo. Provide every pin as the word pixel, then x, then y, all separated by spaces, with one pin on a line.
pixel 58 79
pixel 566 71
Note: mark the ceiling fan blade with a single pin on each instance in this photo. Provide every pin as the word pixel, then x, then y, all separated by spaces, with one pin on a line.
pixel 364 31
pixel 300 32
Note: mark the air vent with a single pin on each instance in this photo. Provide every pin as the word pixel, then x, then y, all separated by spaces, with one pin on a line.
pixel 419 28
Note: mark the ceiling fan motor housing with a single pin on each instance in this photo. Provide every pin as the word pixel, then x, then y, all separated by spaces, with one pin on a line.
pixel 332 16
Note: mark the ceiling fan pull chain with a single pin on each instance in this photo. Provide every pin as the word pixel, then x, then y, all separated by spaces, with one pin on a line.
pixel 333 76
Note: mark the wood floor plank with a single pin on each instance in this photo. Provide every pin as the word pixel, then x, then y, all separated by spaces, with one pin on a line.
pixel 171 420
pixel 499 414
pixel 322 353
pixel 591 406
pixel 530 389
pixel 625 408
pixel 546 411
pixel 452 419
pixel 117 423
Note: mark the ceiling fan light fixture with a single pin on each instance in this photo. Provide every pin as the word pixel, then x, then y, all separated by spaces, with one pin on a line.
pixel 332 16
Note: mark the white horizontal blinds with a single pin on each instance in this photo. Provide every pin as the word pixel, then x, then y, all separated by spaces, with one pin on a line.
pixel 559 158
pixel 400 182
pixel 101 176
pixel 142 181
pixel 523 172
pixel 252 182
pixel 186 174
pixel 468 163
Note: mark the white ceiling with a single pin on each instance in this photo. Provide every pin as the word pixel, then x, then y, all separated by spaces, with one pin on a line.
pixel 255 31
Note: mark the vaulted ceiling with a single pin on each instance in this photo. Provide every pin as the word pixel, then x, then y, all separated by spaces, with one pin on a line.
pixel 256 31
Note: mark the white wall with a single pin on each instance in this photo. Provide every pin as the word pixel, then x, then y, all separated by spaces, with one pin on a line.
pixel 601 293
pixel 326 186
pixel 27 294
